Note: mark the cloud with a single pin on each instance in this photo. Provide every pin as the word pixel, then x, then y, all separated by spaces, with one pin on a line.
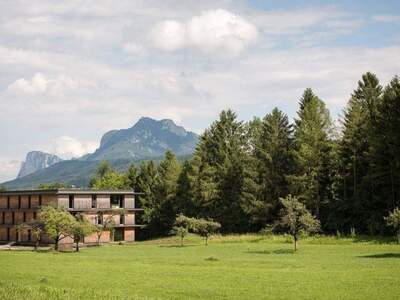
pixel 386 18
pixel 9 170
pixel 134 49
pixel 40 84
pixel 214 31
pixel 68 147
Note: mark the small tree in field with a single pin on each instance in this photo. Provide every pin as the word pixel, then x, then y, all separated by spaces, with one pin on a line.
pixel 393 220
pixel 58 223
pixel 182 226
pixel 81 229
pixel 297 218
pixel 206 228
pixel 107 224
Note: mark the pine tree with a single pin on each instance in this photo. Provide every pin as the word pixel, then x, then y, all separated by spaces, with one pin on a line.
pixel 313 147
pixel 361 208
pixel 220 164
pixel 273 154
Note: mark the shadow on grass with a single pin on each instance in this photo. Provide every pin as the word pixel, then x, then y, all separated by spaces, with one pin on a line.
pixel 374 239
pixel 382 255
pixel 278 251
pixel 176 246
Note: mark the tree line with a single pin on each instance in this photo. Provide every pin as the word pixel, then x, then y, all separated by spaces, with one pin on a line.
pixel 347 176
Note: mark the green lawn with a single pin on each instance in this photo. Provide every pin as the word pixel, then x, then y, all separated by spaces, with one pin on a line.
pixel 235 267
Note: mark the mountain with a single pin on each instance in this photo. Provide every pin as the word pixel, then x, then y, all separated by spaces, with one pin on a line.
pixel 148 138
pixel 35 161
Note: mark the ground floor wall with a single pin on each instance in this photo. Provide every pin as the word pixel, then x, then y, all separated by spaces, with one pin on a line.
pixel 11 234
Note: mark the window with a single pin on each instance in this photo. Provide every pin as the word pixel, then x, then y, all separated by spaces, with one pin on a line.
pixel 94 201
pixel 8 233
pixel 34 215
pixel 29 201
pixel 117 201
pixel 24 216
pixel 40 200
pixel 122 219
pixel 99 220
pixel 29 235
pixel 71 201
pixel 19 202
pixel 8 202
pixel 12 218
pixel 3 217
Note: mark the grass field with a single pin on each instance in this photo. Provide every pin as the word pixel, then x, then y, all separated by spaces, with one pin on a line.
pixel 232 267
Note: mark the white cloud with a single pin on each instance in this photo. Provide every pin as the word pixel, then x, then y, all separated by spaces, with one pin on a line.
pixel 133 48
pixel 214 31
pixel 40 84
pixel 68 147
pixel 386 18
pixel 9 170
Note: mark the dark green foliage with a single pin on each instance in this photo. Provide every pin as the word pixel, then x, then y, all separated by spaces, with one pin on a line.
pixel 312 154
pixel 272 163
pixel 222 181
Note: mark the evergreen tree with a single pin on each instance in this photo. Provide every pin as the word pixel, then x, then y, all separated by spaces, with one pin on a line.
pixel 273 152
pixel 313 146
pixel 221 158
pixel 359 207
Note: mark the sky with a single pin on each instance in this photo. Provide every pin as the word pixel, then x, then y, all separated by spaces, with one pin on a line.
pixel 72 70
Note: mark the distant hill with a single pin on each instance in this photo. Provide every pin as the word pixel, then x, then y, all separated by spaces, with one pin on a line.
pixel 148 139
pixel 35 161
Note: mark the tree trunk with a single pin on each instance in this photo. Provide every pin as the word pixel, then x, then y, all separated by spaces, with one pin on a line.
pixel 295 242
pixel 56 244
pixel 206 240
pixel 398 237
pixel 98 240
pixel 181 241
pixel 77 246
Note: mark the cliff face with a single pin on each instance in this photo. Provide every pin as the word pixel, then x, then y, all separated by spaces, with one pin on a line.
pixel 35 161
pixel 148 138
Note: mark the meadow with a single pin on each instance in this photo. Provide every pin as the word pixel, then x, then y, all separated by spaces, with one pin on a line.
pixel 230 267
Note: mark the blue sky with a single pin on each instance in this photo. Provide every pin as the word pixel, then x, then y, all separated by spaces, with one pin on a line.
pixel 72 70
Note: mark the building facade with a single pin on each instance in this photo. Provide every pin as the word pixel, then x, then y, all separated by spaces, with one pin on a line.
pixel 18 207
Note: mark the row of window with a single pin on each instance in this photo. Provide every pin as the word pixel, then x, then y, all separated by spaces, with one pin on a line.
pixel 116 201
pixel 17 235
pixel 20 201
pixel 99 220
pixel 3 217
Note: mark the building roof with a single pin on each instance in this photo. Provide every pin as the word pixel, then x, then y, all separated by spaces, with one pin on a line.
pixel 69 191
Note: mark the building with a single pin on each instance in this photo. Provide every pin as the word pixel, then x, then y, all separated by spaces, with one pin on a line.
pixel 17 207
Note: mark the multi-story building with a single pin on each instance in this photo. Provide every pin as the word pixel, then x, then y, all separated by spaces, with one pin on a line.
pixel 17 207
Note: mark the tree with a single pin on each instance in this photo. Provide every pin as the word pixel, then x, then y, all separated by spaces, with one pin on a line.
pixel 131 177
pixel 205 228
pixel 51 186
pixel 168 170
pixel 184 199
pixel 222 180
pixel 393 220
pixel 273 157
pixel 296 218
pixel 58 223
pixel 37 227
pixel 80 229
pixel 361 159
pixel 313 148
pixel 181 227
pixel 106 224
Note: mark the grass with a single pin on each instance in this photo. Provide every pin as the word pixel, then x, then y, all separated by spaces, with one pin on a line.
pixel 230 267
